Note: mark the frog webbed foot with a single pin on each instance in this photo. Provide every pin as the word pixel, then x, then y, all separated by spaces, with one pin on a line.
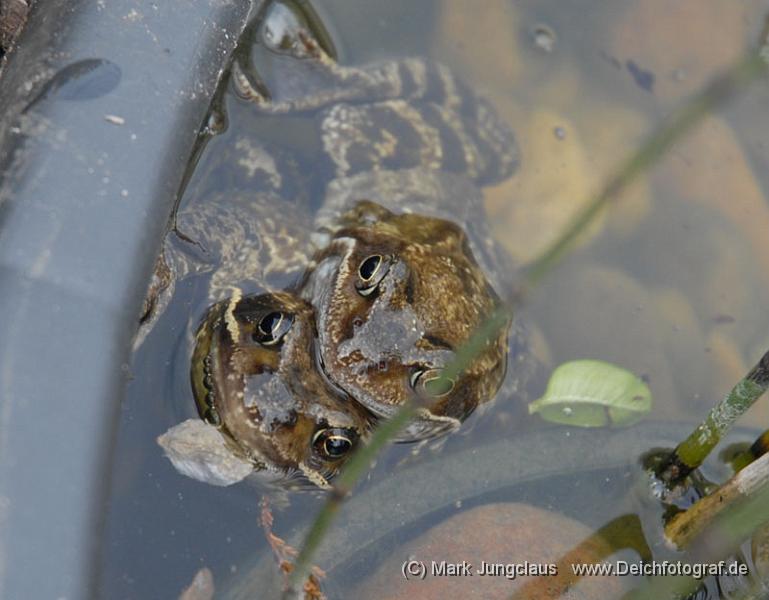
pixel 172 264
pixel 254 242
pixel 284 53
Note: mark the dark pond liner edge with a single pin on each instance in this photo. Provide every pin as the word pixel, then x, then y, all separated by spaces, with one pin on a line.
pixel 100 107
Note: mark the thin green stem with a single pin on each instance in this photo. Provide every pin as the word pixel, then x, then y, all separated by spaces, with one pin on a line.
pixel 355 468
pixel 671 131
pixel 693 451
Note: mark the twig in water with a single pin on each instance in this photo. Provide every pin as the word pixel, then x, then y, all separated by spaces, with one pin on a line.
pixel 623 532
pixel 689 524
pixel 692 452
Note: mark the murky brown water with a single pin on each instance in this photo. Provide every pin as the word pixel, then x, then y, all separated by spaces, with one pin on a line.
pixel 671 283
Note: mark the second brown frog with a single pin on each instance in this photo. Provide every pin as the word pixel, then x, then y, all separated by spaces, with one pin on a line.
pixel 396 296
pixel 264 407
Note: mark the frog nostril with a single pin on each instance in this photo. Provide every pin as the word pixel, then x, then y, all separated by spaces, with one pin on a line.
pixel 291 418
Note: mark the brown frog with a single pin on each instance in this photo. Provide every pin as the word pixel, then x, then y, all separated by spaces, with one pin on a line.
pixel 396 295
pixel 404 133
pixel 264 406
pixel 377 118
pixel 251 242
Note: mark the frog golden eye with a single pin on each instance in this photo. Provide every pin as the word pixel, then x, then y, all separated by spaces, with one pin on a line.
pixel 333 443
pixel 272 327
pixel 371 271
pixel 431 382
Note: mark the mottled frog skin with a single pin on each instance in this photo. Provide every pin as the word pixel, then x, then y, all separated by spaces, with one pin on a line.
pixel 254 380
pixel 248 242
pixel 373 124
pixel 387 115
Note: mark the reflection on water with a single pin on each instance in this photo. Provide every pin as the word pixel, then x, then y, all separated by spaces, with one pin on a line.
pixel 671 283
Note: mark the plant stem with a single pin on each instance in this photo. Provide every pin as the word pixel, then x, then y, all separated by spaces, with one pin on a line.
pixel 692 452
pixel 650 152
pixel 719 535
pixel 357 465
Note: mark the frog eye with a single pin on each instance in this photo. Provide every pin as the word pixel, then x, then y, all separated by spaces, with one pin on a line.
pixel 431 382
pixel 371 271
pixel 334 443
pixel 272 327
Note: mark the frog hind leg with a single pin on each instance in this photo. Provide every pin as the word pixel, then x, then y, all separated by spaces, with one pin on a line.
pixel 448 128
pixel 256 242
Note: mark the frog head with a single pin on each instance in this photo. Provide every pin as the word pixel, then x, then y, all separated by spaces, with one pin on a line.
pixel 255 380
pixel 396 295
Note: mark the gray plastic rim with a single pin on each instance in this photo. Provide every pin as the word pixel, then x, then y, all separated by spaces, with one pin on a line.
pixel 101 105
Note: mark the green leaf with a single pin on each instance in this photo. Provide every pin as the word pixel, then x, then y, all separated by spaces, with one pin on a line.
pixel 593 393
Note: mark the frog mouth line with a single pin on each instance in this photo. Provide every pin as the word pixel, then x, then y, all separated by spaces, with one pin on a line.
pixel 205 361
pixel 202 372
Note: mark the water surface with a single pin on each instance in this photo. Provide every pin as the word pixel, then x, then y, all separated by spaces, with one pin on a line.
pixel 671 283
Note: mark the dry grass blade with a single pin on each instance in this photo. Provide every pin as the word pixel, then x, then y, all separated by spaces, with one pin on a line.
pixel 688 525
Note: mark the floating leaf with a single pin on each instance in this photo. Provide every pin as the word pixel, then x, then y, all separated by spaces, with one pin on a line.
pixel 593 393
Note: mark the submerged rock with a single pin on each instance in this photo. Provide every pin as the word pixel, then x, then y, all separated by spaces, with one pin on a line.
pixel 471 542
